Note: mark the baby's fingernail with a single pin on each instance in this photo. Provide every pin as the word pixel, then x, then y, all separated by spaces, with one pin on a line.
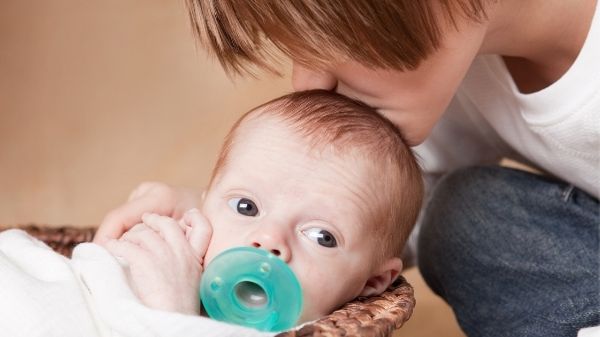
pixel 193 210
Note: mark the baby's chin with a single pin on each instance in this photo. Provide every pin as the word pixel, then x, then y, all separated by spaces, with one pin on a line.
pixel 309 315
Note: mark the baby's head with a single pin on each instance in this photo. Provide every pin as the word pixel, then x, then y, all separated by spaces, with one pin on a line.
pixel 326 184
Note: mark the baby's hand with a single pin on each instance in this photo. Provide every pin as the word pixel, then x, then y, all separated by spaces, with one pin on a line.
pixel 147 197
pixel 165 260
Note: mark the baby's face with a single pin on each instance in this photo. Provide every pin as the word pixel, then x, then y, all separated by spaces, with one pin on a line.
pixel 309 208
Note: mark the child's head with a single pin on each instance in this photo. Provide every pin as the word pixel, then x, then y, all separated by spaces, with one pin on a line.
pixel 325 183
pixel 406 58
pixel 377 33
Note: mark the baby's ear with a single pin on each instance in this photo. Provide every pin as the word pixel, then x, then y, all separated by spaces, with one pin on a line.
pixel 383 277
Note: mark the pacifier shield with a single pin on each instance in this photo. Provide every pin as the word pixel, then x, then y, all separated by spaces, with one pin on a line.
pixel 253 288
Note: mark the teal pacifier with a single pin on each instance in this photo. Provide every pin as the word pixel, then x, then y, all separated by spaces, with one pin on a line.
pixel 253 288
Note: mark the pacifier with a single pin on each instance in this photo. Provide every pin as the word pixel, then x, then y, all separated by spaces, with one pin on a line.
pixel 251 287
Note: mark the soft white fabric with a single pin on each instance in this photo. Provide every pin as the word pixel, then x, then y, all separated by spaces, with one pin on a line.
pixel 589 332
pixel 45 294
pixel 556 129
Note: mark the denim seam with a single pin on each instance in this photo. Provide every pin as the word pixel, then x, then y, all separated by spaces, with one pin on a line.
pixel 567 193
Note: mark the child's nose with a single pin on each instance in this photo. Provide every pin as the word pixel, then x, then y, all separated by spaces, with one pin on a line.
pixel 307 79
pixel 271 243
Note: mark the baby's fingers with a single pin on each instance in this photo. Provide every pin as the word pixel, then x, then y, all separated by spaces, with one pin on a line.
pixel 133 254
pixel 168 229
pixel 145 237
pixel 200 232
pixel 156 197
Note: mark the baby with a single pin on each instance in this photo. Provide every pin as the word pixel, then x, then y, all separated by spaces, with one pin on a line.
pixel 321 181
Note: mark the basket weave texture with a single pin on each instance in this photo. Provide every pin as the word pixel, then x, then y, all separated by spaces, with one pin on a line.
pixel 375 316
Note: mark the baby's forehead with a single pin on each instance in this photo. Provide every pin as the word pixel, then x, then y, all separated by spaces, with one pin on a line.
pixel 255 132
pixel 265 131
pixel 316 137
pixel 272 133
pixel 264 127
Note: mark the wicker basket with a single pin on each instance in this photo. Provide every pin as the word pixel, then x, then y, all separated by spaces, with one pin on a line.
pixel 366 316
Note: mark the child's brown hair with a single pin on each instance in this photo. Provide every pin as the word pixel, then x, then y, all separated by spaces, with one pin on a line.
pixel 396 34
pixel 326 118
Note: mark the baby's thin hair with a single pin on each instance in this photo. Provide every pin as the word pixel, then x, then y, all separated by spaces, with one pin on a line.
pixel 326 118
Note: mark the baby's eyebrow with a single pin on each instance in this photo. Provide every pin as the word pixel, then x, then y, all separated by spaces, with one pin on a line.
pixel 346 227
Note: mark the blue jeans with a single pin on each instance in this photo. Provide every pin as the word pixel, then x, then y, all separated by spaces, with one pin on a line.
pixel 513 253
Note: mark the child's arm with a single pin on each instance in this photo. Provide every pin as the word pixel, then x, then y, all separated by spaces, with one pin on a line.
pixel 165 260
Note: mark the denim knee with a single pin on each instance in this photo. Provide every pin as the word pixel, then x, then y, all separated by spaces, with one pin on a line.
pixel 448 234
pixel 510 254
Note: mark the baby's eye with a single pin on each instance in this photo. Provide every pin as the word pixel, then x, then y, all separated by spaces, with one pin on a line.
pixel 323 237
pixel 243 206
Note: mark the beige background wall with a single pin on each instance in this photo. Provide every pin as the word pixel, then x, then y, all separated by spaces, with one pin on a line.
pixel 97 96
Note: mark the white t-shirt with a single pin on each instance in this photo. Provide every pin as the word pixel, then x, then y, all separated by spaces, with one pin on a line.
pixel 556 130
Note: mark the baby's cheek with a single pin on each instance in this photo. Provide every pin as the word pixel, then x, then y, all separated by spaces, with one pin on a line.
pixel 319 292
pixel 214 249
pixel 217 245
pixel 212 252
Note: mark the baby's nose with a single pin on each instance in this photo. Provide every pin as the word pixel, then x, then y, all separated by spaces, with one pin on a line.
pixel 273 251
pixel 272 244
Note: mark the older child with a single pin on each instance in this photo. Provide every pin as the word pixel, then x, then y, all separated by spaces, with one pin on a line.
pixel 474 81
pixel 321 181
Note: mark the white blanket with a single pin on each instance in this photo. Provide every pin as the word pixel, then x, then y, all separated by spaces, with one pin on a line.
pixel 45 294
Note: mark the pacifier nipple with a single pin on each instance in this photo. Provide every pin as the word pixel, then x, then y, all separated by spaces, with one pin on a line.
pixel 250 294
